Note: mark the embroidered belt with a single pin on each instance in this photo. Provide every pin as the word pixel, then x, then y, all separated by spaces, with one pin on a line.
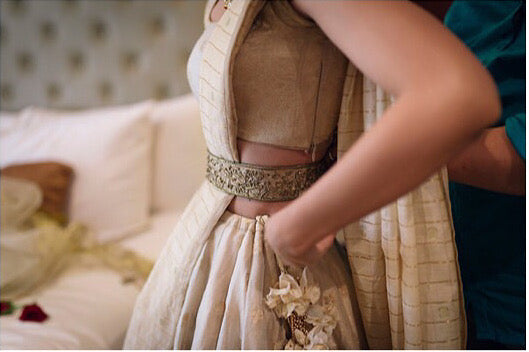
pixel 264 183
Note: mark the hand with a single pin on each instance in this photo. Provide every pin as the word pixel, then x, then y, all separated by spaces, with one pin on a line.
pixel 293 246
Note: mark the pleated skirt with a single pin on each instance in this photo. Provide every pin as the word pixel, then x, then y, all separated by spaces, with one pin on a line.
pixel 225 302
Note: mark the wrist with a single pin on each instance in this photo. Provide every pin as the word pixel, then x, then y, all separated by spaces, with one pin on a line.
pixel 283 234
pixel 298 226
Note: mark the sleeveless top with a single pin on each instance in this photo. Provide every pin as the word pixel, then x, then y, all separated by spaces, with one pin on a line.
pixel 288 97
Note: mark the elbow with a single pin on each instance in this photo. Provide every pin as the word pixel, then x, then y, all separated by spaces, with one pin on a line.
pixel 464 95
pixel 490 104
pixel 478 97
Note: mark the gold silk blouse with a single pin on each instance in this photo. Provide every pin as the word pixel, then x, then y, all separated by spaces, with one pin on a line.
pixel 287 81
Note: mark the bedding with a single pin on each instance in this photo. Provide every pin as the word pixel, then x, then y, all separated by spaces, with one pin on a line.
pixel 110 150
pixel 138 164
pixel 88 306
pixel 179 152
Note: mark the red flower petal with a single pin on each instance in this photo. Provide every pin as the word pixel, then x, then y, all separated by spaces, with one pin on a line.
pixel 32 312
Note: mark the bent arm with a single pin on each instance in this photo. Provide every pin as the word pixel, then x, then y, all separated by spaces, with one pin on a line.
pixel 444 99
pixel 490 162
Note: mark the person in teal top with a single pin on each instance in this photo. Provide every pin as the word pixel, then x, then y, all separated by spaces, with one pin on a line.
pixel 488 199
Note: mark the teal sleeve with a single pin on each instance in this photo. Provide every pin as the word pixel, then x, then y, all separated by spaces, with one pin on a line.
pixel 515 129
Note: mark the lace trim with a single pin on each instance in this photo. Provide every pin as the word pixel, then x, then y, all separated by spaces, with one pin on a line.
pixel 270 184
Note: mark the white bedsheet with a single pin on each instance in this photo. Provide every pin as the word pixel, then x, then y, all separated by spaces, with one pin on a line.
pixel 88 308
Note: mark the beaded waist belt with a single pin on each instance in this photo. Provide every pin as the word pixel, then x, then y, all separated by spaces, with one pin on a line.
pixel 264 183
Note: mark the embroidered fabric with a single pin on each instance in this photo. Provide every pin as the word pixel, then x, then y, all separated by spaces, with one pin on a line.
pixel 264 183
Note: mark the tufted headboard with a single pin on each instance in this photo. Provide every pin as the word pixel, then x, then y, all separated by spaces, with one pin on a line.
pixel 88 53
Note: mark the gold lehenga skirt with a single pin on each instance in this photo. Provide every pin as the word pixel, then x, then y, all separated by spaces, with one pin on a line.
pixel 228 299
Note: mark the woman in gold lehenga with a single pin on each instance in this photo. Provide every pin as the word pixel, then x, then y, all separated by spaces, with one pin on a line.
pixel 253 263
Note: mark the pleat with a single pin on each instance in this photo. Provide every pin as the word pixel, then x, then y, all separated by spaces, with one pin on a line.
pixel 228 238
pixel 232 322
pixel 193 297
pixel 261 329
pixel 391 245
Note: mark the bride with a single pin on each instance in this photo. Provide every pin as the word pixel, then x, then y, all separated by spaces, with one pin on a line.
pixel 253 263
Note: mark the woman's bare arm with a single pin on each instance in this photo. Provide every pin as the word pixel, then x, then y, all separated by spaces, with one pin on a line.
pixel 444 99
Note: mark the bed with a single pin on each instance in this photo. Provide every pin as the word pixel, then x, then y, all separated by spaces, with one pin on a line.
pixel 138 160
pixel 85 315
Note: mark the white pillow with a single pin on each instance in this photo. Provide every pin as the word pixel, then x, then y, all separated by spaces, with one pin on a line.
pixel 179 152
pixel 110 150
pixel 7 119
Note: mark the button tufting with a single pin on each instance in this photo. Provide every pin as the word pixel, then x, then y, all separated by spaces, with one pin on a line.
pixel 98 30
pixel 6 92
pixel 76 61
pixel 53 91
pixel 157 25
pixel 17 6
pixel 50 42
pixel 161 91
pixel 25 62
pixel 105 91
pixel 48 31
pixel 129 61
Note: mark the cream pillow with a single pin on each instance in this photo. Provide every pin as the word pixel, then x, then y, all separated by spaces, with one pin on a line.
pixel 110 150
pixel 7 119
pixel 179 152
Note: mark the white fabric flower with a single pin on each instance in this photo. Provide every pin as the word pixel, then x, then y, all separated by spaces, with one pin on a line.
pixel 292 296
pixel 323 314
pixel 318 338
pixel 301 298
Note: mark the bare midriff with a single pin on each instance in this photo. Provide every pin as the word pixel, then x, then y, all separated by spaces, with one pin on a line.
pixel 266 155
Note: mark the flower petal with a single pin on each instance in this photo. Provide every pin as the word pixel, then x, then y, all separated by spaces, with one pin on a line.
pixel 300 337
pixel 32 312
